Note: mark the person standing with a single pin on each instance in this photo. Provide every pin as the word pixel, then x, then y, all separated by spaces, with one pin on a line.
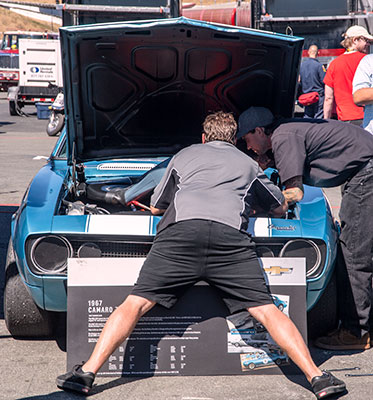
pixel 362 89
pixel 340 73
pixel 312 74
pixel 328 153
pixel 206 195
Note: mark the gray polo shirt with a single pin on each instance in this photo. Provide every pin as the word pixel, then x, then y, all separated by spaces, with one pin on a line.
pixel 325 152
pixel 213 181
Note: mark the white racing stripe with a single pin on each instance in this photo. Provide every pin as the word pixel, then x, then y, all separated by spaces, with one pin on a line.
pixel 119 224
pixel 260 227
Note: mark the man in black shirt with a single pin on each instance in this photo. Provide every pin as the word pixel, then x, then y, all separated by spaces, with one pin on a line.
pixel 328 153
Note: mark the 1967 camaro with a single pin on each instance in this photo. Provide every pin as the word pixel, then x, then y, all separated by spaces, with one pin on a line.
pixel 136 93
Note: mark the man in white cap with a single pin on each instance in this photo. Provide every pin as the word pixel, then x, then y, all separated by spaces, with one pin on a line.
pixel 340 73
pixel 362 89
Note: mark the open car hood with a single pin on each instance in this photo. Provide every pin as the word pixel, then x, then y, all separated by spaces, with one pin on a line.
pixel 143 89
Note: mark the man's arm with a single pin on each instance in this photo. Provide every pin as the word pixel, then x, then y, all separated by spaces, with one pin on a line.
pixel 279 211
pixel 293 190
pixel 328 102
pixel 156 211
pixel 363 97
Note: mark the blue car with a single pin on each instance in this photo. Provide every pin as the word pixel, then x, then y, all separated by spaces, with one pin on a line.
pixel 280 304
pixel 136 93
pixel 262 359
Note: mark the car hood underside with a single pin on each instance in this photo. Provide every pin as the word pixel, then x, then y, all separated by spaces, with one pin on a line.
pixel 143 88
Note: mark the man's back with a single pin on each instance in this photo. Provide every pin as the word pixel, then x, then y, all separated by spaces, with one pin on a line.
pixel 325 152
pixel 213 181
pixel 339 76
pixel 312 76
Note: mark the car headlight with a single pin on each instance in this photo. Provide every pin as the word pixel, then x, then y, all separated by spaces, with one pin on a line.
pixel 313 250
pixel 49 254
pixel 264 251
pixel 304 248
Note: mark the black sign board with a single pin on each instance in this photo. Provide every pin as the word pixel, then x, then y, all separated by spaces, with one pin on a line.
pixel 196 337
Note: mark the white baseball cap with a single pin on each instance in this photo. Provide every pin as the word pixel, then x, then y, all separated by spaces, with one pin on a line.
pixel 356 31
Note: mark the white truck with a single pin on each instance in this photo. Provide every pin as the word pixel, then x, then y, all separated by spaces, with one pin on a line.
pixel 40 74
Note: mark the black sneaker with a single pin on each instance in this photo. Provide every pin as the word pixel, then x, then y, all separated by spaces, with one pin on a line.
pixel 326 385
pixel 76 380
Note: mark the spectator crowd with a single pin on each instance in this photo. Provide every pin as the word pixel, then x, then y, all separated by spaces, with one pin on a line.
pixel 345 88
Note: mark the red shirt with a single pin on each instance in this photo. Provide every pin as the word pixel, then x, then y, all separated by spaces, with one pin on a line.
pixel 339 76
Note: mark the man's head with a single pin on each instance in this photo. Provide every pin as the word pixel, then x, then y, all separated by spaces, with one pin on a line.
pixel 220 126
pixel 357 38
pixel 252 125
pixel 313 50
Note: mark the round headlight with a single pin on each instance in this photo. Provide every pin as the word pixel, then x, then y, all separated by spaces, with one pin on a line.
pixel 264 251
pixel 89 250
pixel 303 248
pixel 49 254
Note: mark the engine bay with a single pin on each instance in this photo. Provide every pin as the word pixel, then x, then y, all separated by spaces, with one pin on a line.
pixel 129 194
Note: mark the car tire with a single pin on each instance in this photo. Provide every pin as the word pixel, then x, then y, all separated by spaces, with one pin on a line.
pixel 23 317
pixel 323 317
pixel 55 123
pixel 251 366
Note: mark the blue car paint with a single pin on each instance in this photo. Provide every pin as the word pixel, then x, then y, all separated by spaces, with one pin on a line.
pixel 38 217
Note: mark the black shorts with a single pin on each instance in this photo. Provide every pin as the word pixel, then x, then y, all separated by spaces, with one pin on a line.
pixel 200 250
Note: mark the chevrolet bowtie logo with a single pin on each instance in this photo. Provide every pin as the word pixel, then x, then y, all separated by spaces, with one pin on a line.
pixel 276 270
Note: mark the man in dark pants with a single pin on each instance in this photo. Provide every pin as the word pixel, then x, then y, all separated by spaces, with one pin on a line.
pixel 311 76
pixel 328 153
pixel 206 195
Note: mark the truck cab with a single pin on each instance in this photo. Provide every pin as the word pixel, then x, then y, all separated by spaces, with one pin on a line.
pixel 9 54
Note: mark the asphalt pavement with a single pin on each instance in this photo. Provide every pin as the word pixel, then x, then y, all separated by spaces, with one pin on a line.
pixel 29 367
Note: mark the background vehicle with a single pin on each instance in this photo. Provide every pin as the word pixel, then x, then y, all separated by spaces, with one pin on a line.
pixel 83 12
pixel 39 64
pixel 141 80
pixel 9 54
pixel 318 22
pixel 57 115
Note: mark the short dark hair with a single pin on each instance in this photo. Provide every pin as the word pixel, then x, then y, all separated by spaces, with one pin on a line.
pixel 220 126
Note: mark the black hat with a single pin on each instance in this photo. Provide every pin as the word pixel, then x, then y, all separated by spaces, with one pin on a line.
pixel 252 118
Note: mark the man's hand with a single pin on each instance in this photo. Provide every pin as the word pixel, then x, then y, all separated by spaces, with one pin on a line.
pixel 156 211
pixel 363 97
pixel 293 190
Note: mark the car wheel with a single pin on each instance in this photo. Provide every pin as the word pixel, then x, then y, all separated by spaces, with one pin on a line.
pixel 278 361
pixel 236 344
pixel 281 307
pixel 323 318
pixel 251 366
pixel 55 123
pixel 23 317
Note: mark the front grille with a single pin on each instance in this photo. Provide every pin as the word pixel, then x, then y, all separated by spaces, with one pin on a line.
pixel 115 249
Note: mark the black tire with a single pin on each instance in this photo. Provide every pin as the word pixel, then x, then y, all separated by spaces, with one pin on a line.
pixel 323 317
pixel 251 366
pixel 55 123
pixel 23 317
pixel 12 107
